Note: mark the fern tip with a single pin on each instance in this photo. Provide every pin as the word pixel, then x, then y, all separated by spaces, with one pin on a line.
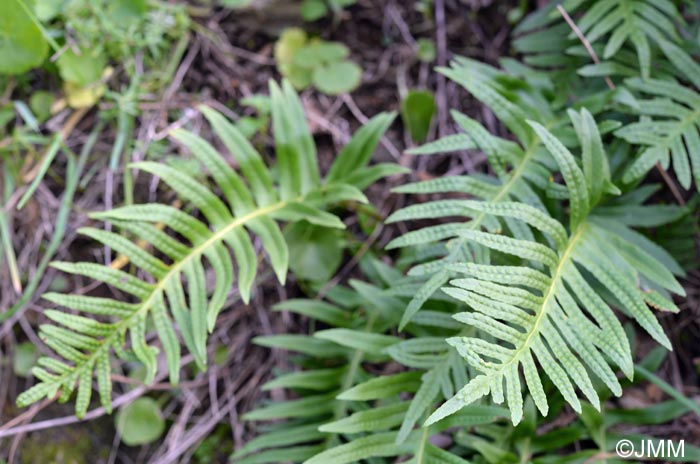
pixel 177 133
pixel 60 265
pixel 516 417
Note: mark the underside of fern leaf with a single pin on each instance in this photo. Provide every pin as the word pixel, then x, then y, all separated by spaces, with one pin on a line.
pixel 176 289
pixel 552 307
pixel 518 171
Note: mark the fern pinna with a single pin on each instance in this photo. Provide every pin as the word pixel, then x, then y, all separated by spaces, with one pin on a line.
pixel 541 293
pixel 175 287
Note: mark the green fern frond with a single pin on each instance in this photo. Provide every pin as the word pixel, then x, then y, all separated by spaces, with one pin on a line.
pixel 608 25
pixel 520 277
pixel 522 172
pixel 176 289
pixel 548 311
pixel 633 21
pixel 519 171
pixel 669 125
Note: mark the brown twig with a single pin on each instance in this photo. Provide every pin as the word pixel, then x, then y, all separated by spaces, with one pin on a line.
pixel 667 179
pixel 671 185
pixel 360 116
pixel 584 41
pixel 441 43
pixel 93 414
pixel 27 415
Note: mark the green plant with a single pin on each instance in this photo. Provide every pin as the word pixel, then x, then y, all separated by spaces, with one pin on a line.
pixel 250 125
pixel 82 74
pixel 315 252
pixel 311 10
pixel 520 291
pixel 347 408
pixel 344 412
pixel 539 265
pixel 324 64
pixel 140 422
pixel 623 23
pixel 117 29
pixel 546 308
pixel 417 111
pixel 669 121
pixel 627 21
pixel 545 294
pixel 595 433
pixel 22 45
pixel 86 35
pixel 255 202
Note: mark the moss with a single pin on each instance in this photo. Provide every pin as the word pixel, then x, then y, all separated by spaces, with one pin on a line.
pixel 64 446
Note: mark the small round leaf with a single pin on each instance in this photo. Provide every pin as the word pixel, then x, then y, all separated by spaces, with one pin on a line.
pixel 311 10
pixel 315 252
pixel 338 77
pixel 82 68
pixel 319 52
pixel 289 44
pixel 140 422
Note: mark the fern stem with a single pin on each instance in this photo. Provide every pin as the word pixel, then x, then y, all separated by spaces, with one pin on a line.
pixel 502 194
pixel 420 451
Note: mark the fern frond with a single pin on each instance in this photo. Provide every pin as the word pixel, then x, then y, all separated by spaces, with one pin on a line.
pixel 176 288
pixel 552 57
pixel 669 125
pixel 522 172
pixel 519 171
pixel 633 21
pixel 608 26
pixel 548 311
